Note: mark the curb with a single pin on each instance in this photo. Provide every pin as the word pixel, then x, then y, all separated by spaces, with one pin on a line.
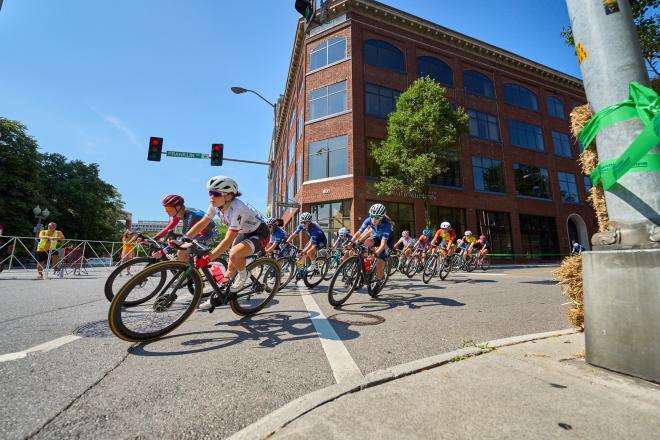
pixel 521 266
pixel 278 419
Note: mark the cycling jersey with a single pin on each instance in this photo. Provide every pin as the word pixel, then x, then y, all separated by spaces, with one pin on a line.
pixel 446 235
pixel 348 237
pixel 314 231
pixel 190 217
pixel 423 239
pixel 467 241
pixel 278 235
pixel 406 242
pixel 381 230
pixel 239 217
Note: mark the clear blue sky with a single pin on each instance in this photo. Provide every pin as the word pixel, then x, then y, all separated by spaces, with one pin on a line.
pixel 93 79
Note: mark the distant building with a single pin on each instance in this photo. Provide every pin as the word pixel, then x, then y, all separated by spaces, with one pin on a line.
pixel 152 226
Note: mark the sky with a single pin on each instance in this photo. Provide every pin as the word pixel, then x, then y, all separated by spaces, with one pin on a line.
pixel 94 79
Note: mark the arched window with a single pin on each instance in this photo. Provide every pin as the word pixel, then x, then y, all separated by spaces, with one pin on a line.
pixel 327 52
pixel 383 54
pixel 478 84
pixel 436 69
pixel 555 107
pixel 520 96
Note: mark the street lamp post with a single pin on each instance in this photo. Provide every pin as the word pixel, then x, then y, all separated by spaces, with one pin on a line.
pixel 39 215
pixel 240 90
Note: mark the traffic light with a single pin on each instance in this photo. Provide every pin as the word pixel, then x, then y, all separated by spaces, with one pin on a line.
pixel 155 148
pixel 306 8
pixel 217 151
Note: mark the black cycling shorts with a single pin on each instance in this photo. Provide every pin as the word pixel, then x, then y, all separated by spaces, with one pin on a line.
pixel 386 252
pixel 257 239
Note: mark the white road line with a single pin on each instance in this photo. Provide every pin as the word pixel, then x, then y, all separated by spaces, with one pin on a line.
pixel 46 346
pixel 469 274
pixel 343 366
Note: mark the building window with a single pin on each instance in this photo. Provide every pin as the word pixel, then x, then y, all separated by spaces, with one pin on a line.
pixel 488 174
pixel 568 188
pixel 332 216
pixel 531 181
pixel 328 52
pixel 496 226
pixel 561 144
pixel 380 101
pixel 483 126
pixel 520 96
pixel 587 184
pixel 478 84
pixel 292 151
pixel 539 237
pixel 382 54
pixel 327 100
pixel 373 170
pixel 292 120
pixel 300 176
pixel 328 158
pixel 436 69
pixel 555 107
pixel 401 214
pixel 451 177
pixel 289 189
pixel 455 216
pixel 525 135
pixel 300 126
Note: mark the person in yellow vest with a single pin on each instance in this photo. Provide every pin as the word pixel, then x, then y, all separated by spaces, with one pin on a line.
pixel 47 244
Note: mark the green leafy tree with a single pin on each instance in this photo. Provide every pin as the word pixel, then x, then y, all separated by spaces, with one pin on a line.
pixel 647 21
pixel 82 204
pixel 423 135
pixel 19 178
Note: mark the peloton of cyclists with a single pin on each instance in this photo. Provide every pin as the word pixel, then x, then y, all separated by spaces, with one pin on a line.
pixel 465 242
pixel 447 238
pixel 317 239
pixel 378 228
pixel 278 236
pixel 482 245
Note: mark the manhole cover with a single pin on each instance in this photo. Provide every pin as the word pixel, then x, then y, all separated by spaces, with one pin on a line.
pixel 357 318
pixel 98 329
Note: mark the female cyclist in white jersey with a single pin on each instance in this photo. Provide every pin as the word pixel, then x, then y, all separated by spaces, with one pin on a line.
pixel 246 235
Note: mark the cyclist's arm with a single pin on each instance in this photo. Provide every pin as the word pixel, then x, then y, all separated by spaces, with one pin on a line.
pixel 198 227
pixel 170 226
pixel 224 244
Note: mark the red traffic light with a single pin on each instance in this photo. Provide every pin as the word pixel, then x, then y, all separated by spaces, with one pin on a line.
pixel 216 147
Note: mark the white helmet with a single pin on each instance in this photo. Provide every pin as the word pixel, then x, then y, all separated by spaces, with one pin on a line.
pixel 222 184
pixel 445 225
pixel 342 232
pixel 468 233
pixel 270 221
pixel 306 217
pixel 405 233
pixel 377 209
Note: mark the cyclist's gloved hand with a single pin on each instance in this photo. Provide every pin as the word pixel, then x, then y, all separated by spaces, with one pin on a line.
pixel 202 261
pixel 185 239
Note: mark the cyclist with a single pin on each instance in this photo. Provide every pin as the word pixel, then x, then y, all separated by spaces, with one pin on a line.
pixel 482 245
pixel 405 243
pixel 277 236
pixel 246 233
pixel 381 229
pixel 317 239
pixel 175 207
pixel 423 240
pixel 465 242
pixel 447 237
pixel 343 238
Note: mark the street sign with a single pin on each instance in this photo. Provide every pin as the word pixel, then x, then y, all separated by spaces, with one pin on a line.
pixel 187 154
pixel 288 205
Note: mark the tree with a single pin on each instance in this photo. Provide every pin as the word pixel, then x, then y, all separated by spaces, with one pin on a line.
pixel 647 22
pixel 19 178
pixel 82 204
pixel 423 135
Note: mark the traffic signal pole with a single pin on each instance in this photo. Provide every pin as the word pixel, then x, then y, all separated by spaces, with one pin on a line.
pixel 621 276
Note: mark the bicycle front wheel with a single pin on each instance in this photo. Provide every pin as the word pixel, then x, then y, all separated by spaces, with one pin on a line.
pixel 445 268
pixel 260 288
pixel 344 281
pixel 124 272
pixel 160 314
pixel 430 268
pixel 288 269
pixel 312 278
pixel 485 263
pixel 412 266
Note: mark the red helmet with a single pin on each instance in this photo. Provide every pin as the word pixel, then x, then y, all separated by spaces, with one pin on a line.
pixel 482 237
pixel 172 200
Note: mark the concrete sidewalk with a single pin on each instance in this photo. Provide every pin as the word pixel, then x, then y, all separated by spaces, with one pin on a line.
pixel 539 389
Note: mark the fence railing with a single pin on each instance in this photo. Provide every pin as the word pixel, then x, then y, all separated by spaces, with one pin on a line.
pixel 69 256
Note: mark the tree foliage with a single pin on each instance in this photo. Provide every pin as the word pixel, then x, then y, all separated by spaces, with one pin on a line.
pixel 647 22
pixel 79 201
pixel 423 134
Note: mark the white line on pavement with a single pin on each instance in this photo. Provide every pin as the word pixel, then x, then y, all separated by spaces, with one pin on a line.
pixel 343 366
pixel 468 274
pixel 46 346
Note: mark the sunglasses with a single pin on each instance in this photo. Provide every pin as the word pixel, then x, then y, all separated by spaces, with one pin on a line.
pixel 216 194
pixel 376 217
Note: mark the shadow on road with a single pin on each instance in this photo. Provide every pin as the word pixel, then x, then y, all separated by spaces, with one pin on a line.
pixel 268 329
pixel 389 301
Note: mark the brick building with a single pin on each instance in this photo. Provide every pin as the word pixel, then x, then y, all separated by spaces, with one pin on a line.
pixel 515 178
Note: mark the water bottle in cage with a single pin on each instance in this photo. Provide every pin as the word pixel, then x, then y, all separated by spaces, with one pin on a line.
pixel 217 273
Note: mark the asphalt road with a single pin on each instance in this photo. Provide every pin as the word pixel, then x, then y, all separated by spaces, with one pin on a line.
pixel 217 373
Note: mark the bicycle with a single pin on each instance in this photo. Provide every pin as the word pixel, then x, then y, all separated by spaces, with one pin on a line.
pixel 393 262
pixel 416 262
pixel 300 268
pixel 436 264
pixel 483 261
pixel 174 304
pixel 356 271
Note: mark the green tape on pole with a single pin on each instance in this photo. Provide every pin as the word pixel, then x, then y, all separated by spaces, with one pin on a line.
pixel 644 104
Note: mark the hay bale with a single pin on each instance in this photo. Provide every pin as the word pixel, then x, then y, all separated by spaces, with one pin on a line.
pixel 569 275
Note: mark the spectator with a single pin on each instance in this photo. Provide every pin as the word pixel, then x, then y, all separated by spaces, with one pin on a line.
pixel 577 248
pixel 128 240
pixel 48 239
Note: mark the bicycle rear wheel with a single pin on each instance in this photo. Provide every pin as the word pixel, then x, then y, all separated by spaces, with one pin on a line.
pixel 411 270
pixel 260 288
pixel 344 281
pixel 288 269
pixel 393 261
pixel 485 263
pixel 161 314
pixel 148 287
pixel 445 268
pixel 430 268
pixel 312 278
pixel 333 263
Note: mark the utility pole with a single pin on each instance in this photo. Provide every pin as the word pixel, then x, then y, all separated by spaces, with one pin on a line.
pixel 621 278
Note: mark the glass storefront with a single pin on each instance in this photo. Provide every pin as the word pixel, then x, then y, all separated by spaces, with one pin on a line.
pixel 455 216
pixel 496 226
pixel 331 216
pixel 539 237
pixel 402 214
